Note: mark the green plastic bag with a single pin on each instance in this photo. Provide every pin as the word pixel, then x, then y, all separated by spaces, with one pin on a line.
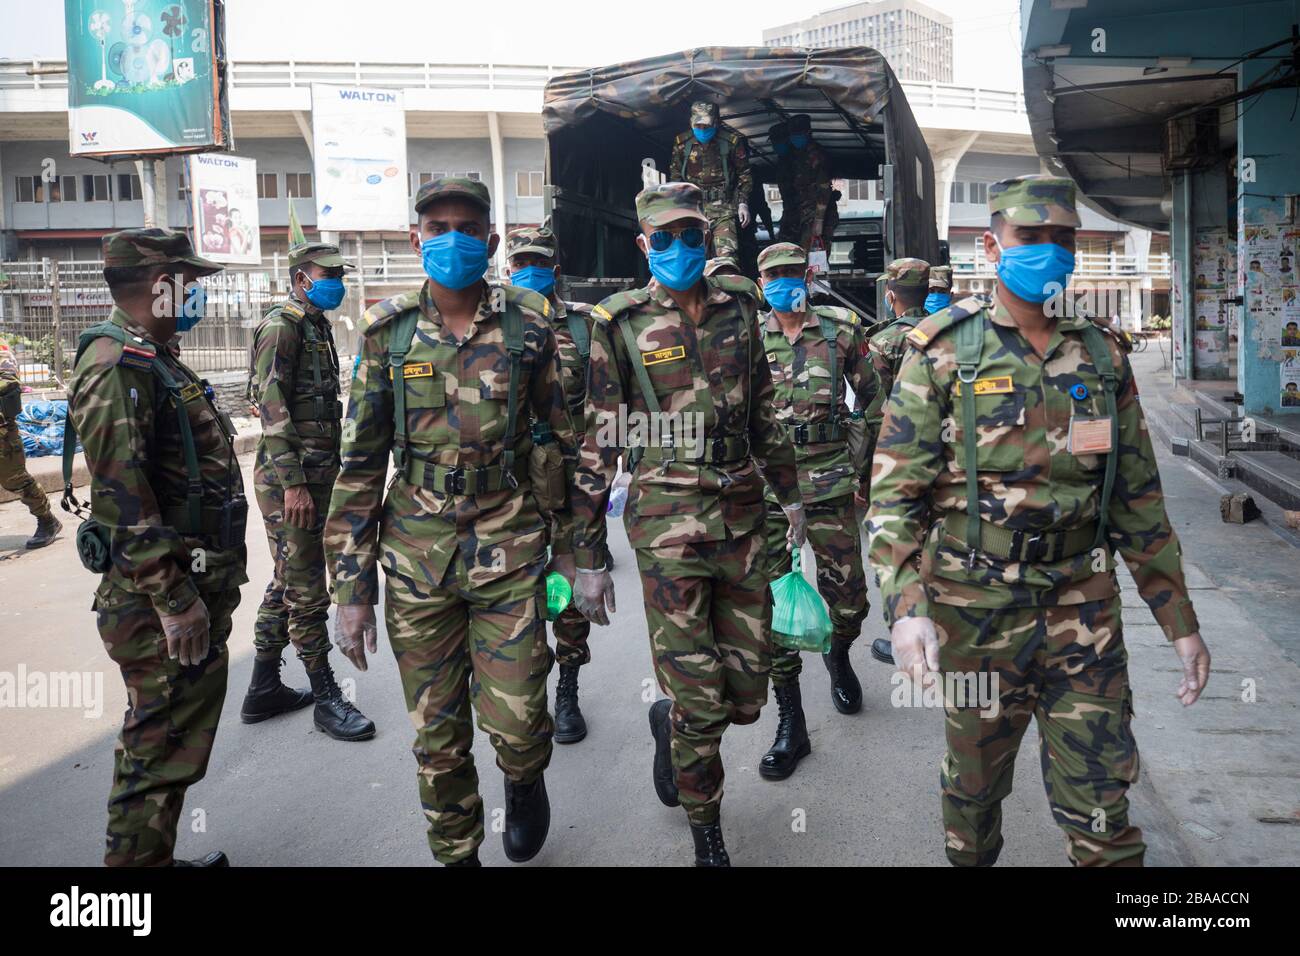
pixel 800 620
pixel 558 595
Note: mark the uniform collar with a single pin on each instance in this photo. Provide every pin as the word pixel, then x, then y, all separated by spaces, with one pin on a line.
pixel 660 294
pixel 772 323
pixel 431 312
pixel 304 305
pixel 120 318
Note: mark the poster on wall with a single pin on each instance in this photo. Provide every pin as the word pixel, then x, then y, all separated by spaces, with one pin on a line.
pixel 359 147
pixel 223 206
pixel 146 77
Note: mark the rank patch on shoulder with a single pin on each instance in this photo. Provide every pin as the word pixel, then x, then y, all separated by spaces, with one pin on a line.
pixel 418 370
pixel 918 338
pixel 998 385
pixel 191 391
pixel 660 356
pixel 133 357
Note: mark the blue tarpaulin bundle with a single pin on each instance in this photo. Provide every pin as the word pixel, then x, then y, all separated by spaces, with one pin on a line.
pixel 41 425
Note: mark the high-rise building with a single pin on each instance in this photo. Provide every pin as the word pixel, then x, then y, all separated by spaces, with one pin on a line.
pixel 914 38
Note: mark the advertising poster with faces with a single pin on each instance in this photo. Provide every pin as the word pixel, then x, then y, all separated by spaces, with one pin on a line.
pixel 223 202
pixel 1213 267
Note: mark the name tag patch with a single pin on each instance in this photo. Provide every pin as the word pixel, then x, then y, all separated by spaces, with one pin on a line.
pixel 1089 436
pixel 659 356
pixel 418 370
pixel 997 385
pixel 191 391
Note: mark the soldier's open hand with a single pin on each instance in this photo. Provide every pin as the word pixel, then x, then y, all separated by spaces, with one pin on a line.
pixel 187 634
pixel 299 508
pixel 355 633
pixel 594 594
pixel 798 532
pixel 742 214
pixel 1195 658
pixel 916 647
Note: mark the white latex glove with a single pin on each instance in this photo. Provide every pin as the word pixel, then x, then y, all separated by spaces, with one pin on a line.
pixel 1195 658
pixel 798 531
pixel 593 593
pixel 742 213
pixel 916 647
pixel 355 633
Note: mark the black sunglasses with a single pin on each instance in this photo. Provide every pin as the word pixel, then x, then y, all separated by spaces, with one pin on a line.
pixel 692 237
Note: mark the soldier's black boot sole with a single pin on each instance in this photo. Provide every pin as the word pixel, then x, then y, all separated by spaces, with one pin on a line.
pixel 267 696
pixel 664 780
pixel 792 743
pixel 216 859
pixel 528 820
pixel 570 725
pixel 883 651
pixel 846 691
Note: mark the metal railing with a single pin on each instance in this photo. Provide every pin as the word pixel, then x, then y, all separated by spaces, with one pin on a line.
pixel 1090 264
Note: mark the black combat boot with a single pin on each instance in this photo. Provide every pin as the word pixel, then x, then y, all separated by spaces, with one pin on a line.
pixel 335 715
pixel 528 818
pixel 471 860
pixel 569 724
pixel 709 848
pixel 792 743
pixel 665 782
pixel 883 651
pixel 47 529
pixel 846 692
pixel 214 859
pixel 267 696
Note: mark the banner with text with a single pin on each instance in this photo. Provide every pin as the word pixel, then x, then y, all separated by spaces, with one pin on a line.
pixel 359 138
pixel 223 203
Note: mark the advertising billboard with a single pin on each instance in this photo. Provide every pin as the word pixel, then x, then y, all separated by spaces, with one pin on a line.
pixel 359 146
pixel 146 77
pixel 223 204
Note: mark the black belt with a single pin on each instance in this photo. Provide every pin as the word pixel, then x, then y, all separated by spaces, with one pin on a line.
pixel 462 479
pixel 813 433
pixel 1032 546
pixel 716 451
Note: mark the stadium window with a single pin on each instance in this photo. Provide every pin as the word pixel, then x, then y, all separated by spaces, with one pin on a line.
pixel 64 189
pixel 128 187
pixel 28 189
pixel 979 193
pixel 958 193
pixel 267 186
pixel 297 185
pixel 96 188
pixel 528 185
pixel 860 189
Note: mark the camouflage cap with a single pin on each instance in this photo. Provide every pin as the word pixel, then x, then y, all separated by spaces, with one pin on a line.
pixel 782 254
pixel 779 132
pixel 908 273
pixel 668 202
pixel 941 278
pixel 704 113
pixel 321 253
pixel 539 240
pixel 452 186
pixel 724 264
pixel 800 123
pixel 153 247
pixel 1035 200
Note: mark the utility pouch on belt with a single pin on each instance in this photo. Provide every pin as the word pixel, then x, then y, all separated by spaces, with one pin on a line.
pixel 546 472
pixel 11 403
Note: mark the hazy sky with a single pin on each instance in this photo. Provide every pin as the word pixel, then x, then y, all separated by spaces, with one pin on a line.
pixel 563 32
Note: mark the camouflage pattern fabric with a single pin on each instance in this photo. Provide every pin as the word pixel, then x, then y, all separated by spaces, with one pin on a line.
pixel 810 181
pixel 940 278
pixel 299 446
pixel 696 525
pixel 462 570
pixel 886 349
pixel 153 247
pixel 1075 683
pixel 1035 200
pixel 170 724
pixel 841 579
pixel 14 476
pixel 702 164
pixel 447 186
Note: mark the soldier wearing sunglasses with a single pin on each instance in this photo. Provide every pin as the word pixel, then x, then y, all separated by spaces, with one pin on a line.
pixel 685 352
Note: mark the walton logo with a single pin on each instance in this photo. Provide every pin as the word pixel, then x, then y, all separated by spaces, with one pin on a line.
pixel 209 161
pixel 366 96
pixel 90 139
pixel 103 909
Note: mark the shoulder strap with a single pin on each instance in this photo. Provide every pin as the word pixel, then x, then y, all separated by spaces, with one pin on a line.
pixel 512 325
pixel 1095 341
pixel 832 348
pixel 581 334
pixel 194 490
pixel 638 366
pixel 399 343
pixel 724 149
pixel 100 330
pixel 969 345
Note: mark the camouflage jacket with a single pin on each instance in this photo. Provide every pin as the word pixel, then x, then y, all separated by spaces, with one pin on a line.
pixel 134 451
pixel 9 380
pixel 810 178
pixel 1028 479
pixel 300 416
pixel 573 367
pixel 704 166
pixel 711 378
pixel 886 349
pixel 801 380
pixel 456 408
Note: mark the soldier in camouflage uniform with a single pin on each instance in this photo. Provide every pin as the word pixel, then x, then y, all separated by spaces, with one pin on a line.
pixel 717 161
pixel 531 253
pixel 808 381
pixel 294 381
pixel 14 476
pixel 173 540
pixel 906 283
pixel 779 136
pixel 682 359
pixel 940 295
pixel 449 375
pixel 810 180
pixel 995 542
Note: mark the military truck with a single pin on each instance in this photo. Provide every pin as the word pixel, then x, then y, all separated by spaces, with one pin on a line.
pixel 609 128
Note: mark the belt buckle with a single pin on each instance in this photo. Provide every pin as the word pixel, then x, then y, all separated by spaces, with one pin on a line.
pixel 1034 548
pixel 801 433
pixel 454 484
pixel 719 450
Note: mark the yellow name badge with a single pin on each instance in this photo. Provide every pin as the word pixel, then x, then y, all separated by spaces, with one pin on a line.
pixel 998 385
pixel 659 356
pixel 418 370
pixel 191 391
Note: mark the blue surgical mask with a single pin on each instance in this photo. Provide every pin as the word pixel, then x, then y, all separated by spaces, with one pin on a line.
pixel 454 260
pixel 786 295
pixel 799 140
pixel 782 148
pixel 191 310
pixel 1030 272
pixel 704 135
pixel 679 266
pixel 937 302
pixel 538 278
pixel 326 293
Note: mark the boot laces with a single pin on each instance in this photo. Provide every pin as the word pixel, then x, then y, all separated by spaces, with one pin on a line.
pixel 567 685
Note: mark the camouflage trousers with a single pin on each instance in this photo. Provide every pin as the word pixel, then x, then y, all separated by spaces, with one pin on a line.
pixel 841 580
pixel 708 610
pixel 13 472
pixel 170 724
pixel 458 646
pixel 296 604
pixel 1067 667
pixel 571 631
pixel 724 227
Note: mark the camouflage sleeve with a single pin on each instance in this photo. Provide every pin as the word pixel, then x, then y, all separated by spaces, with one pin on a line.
pixel 769 443
pixel 8 370
pixel 597 460
pixel 356 505
pixel 744 175
pixel 551 405
pixel 863 380
pixel 112 408
pixel 908 459
pixel 275 362
pixel 875 411
pixel 679 157
pixel 1138 524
